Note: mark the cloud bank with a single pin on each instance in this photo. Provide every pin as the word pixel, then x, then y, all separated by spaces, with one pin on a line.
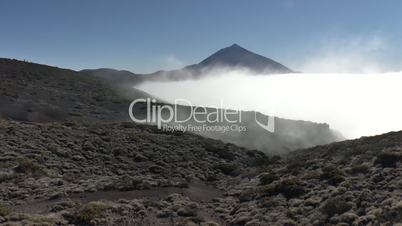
pixel 354 104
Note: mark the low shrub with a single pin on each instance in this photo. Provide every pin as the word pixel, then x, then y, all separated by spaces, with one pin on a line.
pixel 247 195
pixel 30 168
pixel 7 177
pixel 334 206
pixel 186 212
pixel 288 188
pixel 229 169
pixel 311 175
pixel 267 178
pixel 89 212
pixel 291 188
pixel 295 167
pixel 363 168
pixel 4 210
pixel 333 175
pixel 388 158
pixel 223 151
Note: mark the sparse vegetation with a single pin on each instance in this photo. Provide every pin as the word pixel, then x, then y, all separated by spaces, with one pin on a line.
pixel 334 206
pixel 229 169
pixel 197 219
pixel 4 210
pixel 42 220
pixel 89 212
pixel 186 212
pixel 247 195
pixel 5 177
pixel 190 222
pixel 311 175
pixel 294 167
pixel 332 174
pixel 5 164
pixel 267 178
pixel 290 188
pixel 30 168
pixel 362 168
pixel 222 152
pixel 388 158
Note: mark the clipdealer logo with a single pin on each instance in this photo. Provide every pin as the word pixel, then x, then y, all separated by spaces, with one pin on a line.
pixel 183 116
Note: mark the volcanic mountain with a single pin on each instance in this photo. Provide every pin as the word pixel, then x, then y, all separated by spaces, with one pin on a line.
pixel 239 57
pixel 232 57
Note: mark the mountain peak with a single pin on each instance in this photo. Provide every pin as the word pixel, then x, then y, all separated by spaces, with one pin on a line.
pixel 237 56
pixel 235 46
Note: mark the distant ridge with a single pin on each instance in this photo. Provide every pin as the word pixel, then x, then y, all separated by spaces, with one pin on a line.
pixel 233 56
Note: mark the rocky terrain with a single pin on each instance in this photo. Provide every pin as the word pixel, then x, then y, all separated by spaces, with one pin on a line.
pixel 356 182
pixel 113 174
pixel 128 174
pixel 40 93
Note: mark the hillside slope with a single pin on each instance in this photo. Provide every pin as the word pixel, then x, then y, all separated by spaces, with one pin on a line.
pixel 39 93
pixel 127 174
pixel 355 182
pixel 58 173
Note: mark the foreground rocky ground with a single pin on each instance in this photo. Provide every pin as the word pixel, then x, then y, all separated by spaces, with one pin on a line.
pixel 355 182
pixel 127 174
pixel 115 174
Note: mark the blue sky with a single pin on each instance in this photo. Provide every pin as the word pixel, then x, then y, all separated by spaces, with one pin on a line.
pixel 145 36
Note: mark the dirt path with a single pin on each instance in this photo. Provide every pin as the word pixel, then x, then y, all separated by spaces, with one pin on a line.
pixel 197 191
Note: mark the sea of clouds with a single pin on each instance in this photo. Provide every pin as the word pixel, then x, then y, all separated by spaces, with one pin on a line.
pixel 354 104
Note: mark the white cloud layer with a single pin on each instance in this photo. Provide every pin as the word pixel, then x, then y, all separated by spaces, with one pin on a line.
pixel 354 104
